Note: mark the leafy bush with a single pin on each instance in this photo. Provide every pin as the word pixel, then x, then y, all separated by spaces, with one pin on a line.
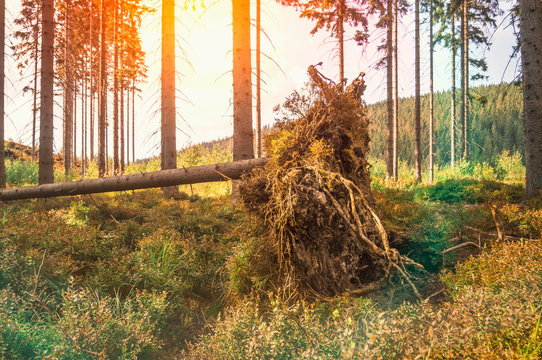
pixel 19 173
pixel 509 166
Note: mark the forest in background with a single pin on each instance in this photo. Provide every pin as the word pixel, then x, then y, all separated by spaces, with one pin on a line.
pixel 496 125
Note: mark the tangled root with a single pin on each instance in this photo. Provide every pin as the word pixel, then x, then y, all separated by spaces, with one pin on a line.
pixel 314 196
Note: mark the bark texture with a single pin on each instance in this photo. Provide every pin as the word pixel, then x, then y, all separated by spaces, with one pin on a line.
pixel 68 93
pixel 46 174
pixel 2 75
pixel 389 82
pixel 168 142
pixel 531 53
pixel 163 178
pixel 242 86
pixel 417 102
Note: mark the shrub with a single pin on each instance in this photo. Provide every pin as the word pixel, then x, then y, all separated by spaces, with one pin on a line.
pixel 19 173
pixel 509 167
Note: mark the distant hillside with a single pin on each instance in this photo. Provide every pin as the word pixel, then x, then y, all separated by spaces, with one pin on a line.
pixel 496 124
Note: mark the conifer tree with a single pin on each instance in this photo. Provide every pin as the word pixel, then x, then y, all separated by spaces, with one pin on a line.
pixel 332 16
pixel 2 75
pixel 46 174
pixel 531 45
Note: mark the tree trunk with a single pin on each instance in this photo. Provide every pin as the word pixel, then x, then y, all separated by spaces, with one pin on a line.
pixel 531 53
pixel 431 151
pixel 85 128
pixel 395 93
pixel 2 75
pixel 74 123
pixel 116 166
pixel 258 81
pixel 102 95
pixel 452 110
pixel 91 77
pixel 389 74
pixel 163 178
pixel 465 78
pixel 417 105
pixel 35 101
pixel 242 88
pixel 46 174
pixel 133 120
pixel 121 118
pixel 168 155
pixel 340 38
pixel 127 125
pixel 68 92
pixel 122 84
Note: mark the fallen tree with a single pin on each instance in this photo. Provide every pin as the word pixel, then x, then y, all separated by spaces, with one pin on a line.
pixel 314 196
pixel 190 175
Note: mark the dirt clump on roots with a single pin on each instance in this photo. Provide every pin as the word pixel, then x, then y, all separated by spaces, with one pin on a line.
pixel 314 196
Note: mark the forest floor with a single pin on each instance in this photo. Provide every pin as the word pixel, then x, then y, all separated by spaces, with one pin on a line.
pixel 133 274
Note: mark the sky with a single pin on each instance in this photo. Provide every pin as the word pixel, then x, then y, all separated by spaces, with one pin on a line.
pixel 204 62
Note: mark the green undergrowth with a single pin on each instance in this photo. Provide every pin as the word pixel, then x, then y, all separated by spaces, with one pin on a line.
pixel 112 276
pixel 494 312
pixel 133 275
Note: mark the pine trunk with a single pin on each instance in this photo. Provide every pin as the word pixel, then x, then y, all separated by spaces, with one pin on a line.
pixel 242 88
pixel 35 101
pixel 340 38
pixel 46 174
pixel 122 137
pixel 531 53
pixel 163 178
pixel 133 121
pixel 102 95
pixel 431 150
pixel 452 110
pixel 2 75
pixel 258 81
pixel 68 93
pixel 395 93
pixel 417 103
pixel 389 78
pixel 91 77
pixel 168 123
pixel 116 166
pixel 465 79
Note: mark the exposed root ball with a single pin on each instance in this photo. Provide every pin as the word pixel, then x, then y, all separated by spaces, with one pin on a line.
pixel 314 195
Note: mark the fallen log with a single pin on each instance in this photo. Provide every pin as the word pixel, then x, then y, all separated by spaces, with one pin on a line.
pixel 190 175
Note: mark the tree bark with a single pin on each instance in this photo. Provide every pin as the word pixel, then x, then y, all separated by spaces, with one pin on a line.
pixel 2 75
pixel 133 121
pixel 465 78
pixel 35 100
pixel 431 150
pixel 258 81
pixel 168 124
pixel 102 95
pixel 68 93
pixel 46 174
pixel 531 54
pixel 452 109
pixel 395 93
pixel 91 77
pixel 163 178
pixel 242 88
pixel 389 78
pixel 340 38
pixel 116 165
pixel 417 102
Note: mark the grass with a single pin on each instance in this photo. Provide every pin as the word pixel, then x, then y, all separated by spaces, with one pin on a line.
pixel 131 274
